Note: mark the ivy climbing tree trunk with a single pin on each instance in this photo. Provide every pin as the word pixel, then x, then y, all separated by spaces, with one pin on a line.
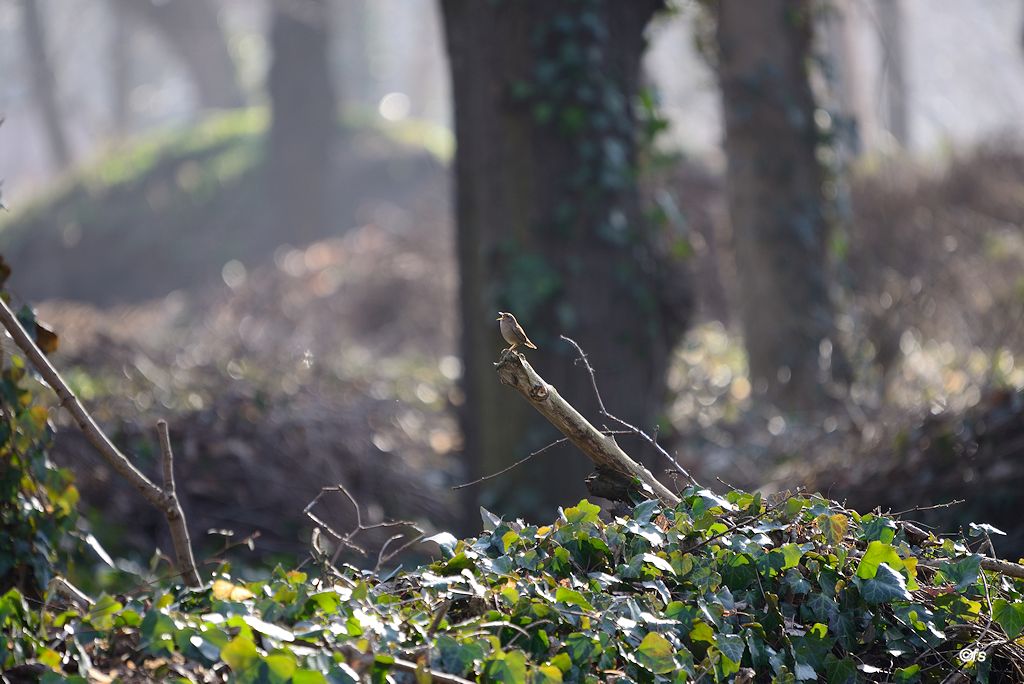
pixel 774 189
pixel 302 128
pixel 550 228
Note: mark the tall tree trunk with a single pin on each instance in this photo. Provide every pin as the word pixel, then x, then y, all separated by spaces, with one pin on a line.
pixel 303 122
pixel 44 83
pixel 774 189
pixel 120 71
pixel 353 74
pixel 891 30
pixel 550 228
pixel 192 30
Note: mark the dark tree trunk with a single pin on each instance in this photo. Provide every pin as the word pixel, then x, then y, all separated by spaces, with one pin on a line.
pixel 303 118
pixel 192 31
pixel 774 187
pixel 44 84
pixel 550 228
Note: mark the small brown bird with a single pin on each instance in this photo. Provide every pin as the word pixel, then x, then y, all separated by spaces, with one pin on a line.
pixel 512 331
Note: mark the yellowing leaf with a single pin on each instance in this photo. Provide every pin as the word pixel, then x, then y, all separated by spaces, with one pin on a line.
pixel 655 654
pixel 223 590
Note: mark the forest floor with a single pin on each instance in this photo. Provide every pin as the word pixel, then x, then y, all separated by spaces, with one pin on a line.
pixel 284 368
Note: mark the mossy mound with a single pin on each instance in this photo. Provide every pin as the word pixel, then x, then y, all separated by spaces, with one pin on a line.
pixel 168 211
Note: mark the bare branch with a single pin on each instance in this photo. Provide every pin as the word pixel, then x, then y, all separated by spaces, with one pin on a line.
pixel 514 371
pixel 166 455
pixel 164 501
pixel 345 540
pixel 174 513
pixel 604 412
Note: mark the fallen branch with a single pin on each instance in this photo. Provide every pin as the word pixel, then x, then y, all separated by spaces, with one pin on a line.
pixel 514 371
pixel 164 500
pixel 653 441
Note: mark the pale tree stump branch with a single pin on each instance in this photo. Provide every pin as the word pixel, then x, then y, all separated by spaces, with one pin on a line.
pixel 164 500
pixel 613 465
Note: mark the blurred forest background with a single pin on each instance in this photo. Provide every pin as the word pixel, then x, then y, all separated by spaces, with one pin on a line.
pixel 790 236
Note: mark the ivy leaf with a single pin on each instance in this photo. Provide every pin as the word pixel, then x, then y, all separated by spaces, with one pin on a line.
pixel 572 598
pixel 877 554
pixel 840 671
pixel 281 666
pixel 834 527
pixel 240 654
pixel 887 585
pixel 643 512
pixel 546 674
pixel 731 646
pixel 447 542
pixel 791 553
pixel 655 654
pixel 963 573
pixel 583 512
pixel 976 530
pixel 506 668
pixel 1010 616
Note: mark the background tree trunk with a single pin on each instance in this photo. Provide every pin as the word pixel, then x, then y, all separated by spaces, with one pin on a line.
pixel 891 29
pixel 120 71
pixel 192 31
pixel 44 84
pixel 303 118
pixel 774 190
pixel 550 228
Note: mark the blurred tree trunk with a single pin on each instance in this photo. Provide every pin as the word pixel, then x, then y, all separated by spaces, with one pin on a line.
pixel 844 76
pixel 44 83
pixel 193 33
pixel 354 30
pixel 891 29
pixel 120 72
pixel 303 121
pixel 774 190
pixel 550 228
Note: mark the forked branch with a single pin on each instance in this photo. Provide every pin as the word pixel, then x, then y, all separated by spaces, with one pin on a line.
pixel 164 499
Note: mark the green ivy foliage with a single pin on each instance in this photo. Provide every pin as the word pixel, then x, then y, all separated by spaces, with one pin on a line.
pixel 716 589
pixel 37 499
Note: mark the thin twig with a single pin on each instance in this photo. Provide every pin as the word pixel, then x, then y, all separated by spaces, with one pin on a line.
pixel 514 371
pixel 948 504
pixel 531 455
pixel 604 412
pixel 346 540
pixel 164 501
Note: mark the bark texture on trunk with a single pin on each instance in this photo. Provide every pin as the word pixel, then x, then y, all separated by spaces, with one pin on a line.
pixel 192 31
pixel 44 83
pixel 774 189
pixel 303 123
pixel 550 228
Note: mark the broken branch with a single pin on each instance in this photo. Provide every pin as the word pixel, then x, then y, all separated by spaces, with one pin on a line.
pixel 514 371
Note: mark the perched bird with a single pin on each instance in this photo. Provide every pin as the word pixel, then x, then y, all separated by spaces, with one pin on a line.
pixel 512 331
